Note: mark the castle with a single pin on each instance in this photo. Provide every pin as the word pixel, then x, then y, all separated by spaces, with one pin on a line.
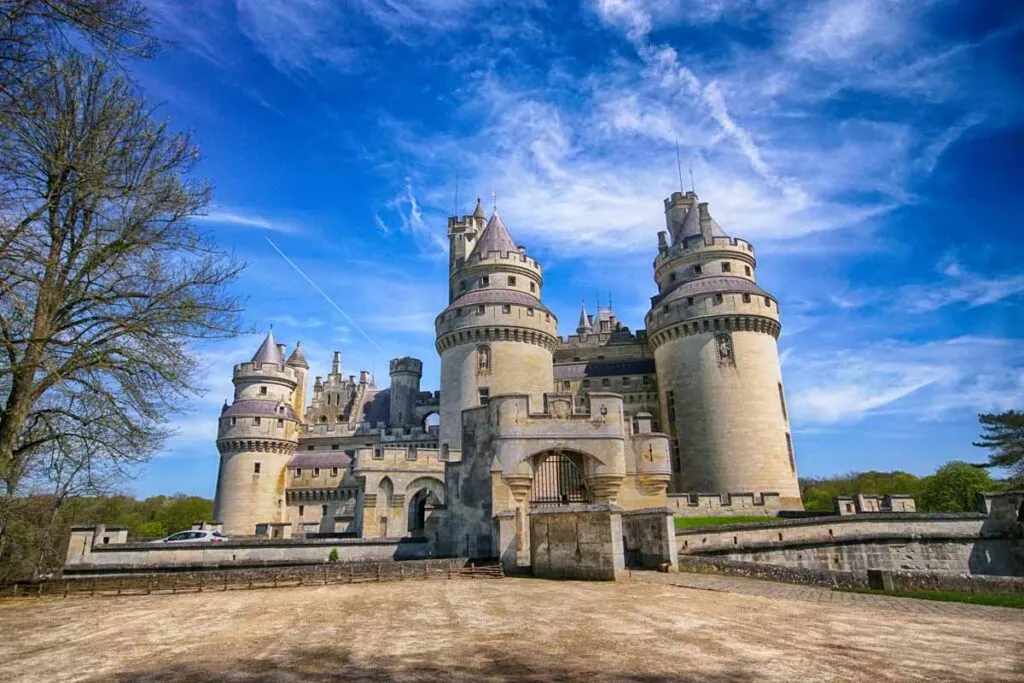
pixel 527 419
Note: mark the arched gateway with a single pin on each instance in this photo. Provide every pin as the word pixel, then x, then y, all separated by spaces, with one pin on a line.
pixel 558 479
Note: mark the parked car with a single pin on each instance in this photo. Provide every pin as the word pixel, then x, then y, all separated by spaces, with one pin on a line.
pixel 194 537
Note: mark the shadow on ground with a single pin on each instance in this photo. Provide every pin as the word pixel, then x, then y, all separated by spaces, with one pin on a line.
pixel 336 664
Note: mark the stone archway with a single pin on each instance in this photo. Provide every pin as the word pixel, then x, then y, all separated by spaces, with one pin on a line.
pixel 423 495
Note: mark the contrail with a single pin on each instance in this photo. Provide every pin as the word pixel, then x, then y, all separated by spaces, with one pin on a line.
pixel 324 295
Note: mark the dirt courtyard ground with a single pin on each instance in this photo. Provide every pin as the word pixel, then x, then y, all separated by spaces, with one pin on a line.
pixel 507 630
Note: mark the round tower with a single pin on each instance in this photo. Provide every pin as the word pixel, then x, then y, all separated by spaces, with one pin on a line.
pixel 495 336
pixel 256 436
pixel 714 333
pixel 406 374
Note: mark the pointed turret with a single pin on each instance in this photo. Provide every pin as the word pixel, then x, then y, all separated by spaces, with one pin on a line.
pixel 478 212
pixel 269 352
pixel 298 358
pixel 495 237
pixel 584 326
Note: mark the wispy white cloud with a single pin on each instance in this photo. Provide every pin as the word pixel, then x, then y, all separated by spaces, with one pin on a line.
pixel 960 287
pixel 933 152
pixel 427 235
pixel 922 380
pixel 224 216
pixel 298 36
pixel 299 323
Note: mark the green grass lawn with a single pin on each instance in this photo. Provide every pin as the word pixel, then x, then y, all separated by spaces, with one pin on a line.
pixel 1014 600
pixel 693 522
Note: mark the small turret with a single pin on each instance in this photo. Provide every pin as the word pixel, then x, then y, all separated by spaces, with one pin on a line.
pixel 584 326
pixel 297 362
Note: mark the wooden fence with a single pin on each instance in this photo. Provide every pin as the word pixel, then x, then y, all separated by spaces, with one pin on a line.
pixel 252 579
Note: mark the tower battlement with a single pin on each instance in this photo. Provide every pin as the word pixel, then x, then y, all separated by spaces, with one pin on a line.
pixel 413 366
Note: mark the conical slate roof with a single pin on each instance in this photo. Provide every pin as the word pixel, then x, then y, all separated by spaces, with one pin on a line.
pixel 495 237
pixel 298 358
pixel 478 212
pixel 690 226
pixel 584 324
pixel 268 352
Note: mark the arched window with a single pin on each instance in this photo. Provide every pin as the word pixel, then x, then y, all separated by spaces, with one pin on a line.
pixel 483 360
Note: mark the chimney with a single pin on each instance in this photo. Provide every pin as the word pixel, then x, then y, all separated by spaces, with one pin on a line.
pixel 336 363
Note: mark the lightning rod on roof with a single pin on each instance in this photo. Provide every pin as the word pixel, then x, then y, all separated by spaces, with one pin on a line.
pixel 679 166
pixel 456 211
pixel 693 186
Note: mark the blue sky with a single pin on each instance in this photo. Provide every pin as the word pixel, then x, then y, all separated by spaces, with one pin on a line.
pixel 871 150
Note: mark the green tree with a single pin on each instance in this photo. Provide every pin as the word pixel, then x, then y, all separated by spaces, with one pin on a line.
pixel 818 493
pixel 180 511
pixel 1003 435
pixel 953 488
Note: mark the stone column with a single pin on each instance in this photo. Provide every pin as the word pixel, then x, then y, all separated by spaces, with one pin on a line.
pixel 520 485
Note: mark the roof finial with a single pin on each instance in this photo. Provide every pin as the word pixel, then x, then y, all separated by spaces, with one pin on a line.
pixel 494 197
pixel 693 186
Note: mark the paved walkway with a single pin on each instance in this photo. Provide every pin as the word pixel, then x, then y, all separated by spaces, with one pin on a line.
pixel 786 591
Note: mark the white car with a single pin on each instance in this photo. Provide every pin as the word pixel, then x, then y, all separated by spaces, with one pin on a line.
pixel 194 537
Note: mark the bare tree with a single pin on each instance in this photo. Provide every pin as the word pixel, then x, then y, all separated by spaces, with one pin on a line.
pixel 104 280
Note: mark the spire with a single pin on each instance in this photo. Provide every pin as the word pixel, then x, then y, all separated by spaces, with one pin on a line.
pixel 495 237
pixel 584 326
pixel 298 358
pixel 269 351
pixel 478 212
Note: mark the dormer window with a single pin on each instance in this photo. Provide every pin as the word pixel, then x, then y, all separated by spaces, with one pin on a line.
pixel 726 267
pixel 511 280
pixel 263 391
pixel 485 281
pixel 298 471
pixel 334 471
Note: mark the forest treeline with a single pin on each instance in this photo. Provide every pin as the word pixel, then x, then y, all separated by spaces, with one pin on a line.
pixel 951 488
pixel 40 531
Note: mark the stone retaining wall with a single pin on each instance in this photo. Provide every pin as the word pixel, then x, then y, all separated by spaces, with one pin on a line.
pixel 901 580
pixel 248 553
pixel 949 543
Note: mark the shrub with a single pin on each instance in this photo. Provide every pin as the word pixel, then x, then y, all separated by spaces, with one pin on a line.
pixel 333 557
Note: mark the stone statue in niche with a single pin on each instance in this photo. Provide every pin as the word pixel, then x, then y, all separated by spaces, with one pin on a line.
pixel 483 360
pixel 725 352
